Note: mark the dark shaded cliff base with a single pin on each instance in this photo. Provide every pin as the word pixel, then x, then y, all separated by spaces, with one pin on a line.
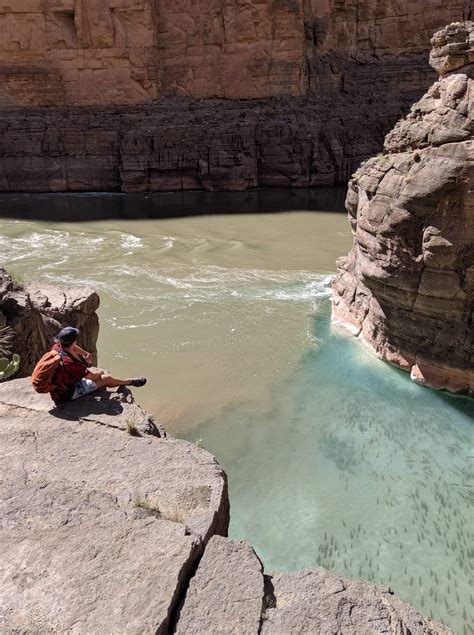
pixel 104 527
pixel 93 206
pixel 407 286
pixel 185 144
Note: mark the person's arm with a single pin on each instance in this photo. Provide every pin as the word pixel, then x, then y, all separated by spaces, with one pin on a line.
pixel 94 374
pixel 80 351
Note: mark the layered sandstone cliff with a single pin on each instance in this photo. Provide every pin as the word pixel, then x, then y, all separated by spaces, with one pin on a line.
pixel 407 286
pixel 139 95
pixel 65 52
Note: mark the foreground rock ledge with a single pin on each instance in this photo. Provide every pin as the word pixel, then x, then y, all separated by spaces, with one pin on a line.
pixel 100 529
pixel 102 532
pixel 407 286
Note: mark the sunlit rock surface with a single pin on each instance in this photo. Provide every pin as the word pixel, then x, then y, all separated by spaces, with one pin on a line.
pixel 99 52
pixel 100 529
pixel 226 593
pixel 407 286
pixel 139 95
pixel 317 601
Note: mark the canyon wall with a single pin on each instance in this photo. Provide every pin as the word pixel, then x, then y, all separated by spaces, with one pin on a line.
pixel 60 52
pixel 407 286
pixel 141 95
pixel 83 52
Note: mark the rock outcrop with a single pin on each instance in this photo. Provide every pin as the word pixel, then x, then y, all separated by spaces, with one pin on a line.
pixel 138 95
pixel 104 526
pixel 100 529
pixel 407 286
pixel 36 315
pixel 226 594
pixel 317 601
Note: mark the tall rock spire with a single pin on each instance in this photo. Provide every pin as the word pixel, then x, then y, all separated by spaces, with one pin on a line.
pixel 407 286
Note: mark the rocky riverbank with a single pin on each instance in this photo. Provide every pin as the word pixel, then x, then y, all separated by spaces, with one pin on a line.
pixel 407 286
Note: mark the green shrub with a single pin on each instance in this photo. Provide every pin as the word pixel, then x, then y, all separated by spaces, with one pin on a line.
pixel 9 367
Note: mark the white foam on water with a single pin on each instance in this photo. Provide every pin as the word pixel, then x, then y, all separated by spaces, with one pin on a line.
pixel 130 243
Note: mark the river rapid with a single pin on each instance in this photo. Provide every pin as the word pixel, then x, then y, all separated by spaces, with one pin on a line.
pixel 333 457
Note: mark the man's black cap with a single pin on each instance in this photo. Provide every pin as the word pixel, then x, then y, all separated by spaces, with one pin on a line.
pixel 68 335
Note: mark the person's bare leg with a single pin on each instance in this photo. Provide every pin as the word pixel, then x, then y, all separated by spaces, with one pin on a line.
pixel 108 381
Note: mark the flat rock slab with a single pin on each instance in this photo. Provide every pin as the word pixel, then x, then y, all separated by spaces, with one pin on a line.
pixel 100 529
pixel 317 601
pixel 116 409
pixel 226 594
pixel 75 562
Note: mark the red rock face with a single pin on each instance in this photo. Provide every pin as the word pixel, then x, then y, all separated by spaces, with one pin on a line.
pixel 407 286
pixel 62 52
pixel 155 95
pixel 90 52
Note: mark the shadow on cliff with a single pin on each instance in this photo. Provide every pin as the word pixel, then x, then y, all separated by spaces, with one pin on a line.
pixel 102 402
pixel 100 206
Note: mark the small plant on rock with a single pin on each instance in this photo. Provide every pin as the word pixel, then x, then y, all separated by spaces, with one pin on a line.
pixel 8 367
pixel 141 503
pixel 6 340
pixel 132 428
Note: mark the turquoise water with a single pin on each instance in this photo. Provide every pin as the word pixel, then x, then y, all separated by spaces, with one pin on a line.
pixel 357 469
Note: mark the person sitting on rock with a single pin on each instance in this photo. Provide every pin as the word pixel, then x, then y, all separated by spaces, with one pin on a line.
pixel 73 377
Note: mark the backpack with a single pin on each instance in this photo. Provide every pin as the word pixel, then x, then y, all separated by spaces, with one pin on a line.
pixel 44 372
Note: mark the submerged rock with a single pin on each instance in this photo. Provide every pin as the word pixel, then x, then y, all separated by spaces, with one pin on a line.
pixel 407 286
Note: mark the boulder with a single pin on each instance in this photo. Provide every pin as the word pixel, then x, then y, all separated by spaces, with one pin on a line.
pixel 36 316
pixel 317 601
pixel 226 593
pixel 453 47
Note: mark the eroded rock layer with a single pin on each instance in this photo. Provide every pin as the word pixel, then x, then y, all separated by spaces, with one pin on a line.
pixel 407 286
pixel 326 80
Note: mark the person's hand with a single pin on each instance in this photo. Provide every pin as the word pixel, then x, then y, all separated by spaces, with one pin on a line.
pixel 88 357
